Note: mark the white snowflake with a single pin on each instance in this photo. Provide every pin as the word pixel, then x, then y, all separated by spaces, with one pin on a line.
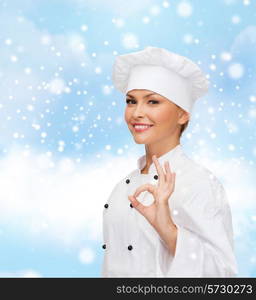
pixel 130 41
pixel 236 70
pixel 184 9
pixel 119 22
pixel 154 10
pixel 56 86
pixel 188 38
pixel 84 27
pixel 166 4
pixel 236 19
pixel 226 56
pixel 86 256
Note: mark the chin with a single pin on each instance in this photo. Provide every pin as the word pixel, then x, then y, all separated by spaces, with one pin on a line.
pixel 139 142
pixel 142 140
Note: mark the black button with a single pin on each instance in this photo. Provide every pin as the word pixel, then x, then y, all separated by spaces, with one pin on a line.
pixel 127 181
pixel 106 205
pixel 155 177
pixel 104 246
pixel 130 247
pixel 131 205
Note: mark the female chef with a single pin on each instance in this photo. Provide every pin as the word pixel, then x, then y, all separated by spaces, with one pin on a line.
pixel 170 216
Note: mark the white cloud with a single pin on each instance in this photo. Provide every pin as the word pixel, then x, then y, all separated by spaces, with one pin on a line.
pixel 238 177
pixel 58 199
pixel 45 198
pixel 28 273
pixel 245 42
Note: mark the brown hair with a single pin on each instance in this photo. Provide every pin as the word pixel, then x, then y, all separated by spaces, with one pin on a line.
pixel 183 127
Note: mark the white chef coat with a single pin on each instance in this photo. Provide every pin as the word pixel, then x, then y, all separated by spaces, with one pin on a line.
pixel 200 210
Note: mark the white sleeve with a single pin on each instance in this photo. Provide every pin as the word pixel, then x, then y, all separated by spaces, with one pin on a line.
pixel 204 246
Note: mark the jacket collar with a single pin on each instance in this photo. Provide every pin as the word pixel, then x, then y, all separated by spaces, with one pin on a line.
pixel 168 156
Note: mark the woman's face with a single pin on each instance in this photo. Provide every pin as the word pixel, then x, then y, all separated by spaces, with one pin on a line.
pixel 162 116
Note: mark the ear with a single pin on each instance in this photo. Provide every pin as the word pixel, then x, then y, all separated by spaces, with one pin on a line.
pixel 184 116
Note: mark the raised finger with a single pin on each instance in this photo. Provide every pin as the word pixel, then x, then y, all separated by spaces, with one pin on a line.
pixel 168 171
pixel 159 168
pixel 173 179
pixel 168 168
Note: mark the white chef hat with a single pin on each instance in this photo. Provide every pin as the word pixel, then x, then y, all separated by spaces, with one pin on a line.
pixel 156 69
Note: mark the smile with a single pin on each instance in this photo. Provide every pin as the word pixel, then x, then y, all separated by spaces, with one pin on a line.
pixel 141 128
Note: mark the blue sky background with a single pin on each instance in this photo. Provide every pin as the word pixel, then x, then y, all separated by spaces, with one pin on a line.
pixel 63 140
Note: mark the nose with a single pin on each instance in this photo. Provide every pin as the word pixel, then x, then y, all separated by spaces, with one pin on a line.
pixel 138 111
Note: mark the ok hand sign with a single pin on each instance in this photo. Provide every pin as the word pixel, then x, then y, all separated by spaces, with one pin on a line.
pixel 158 213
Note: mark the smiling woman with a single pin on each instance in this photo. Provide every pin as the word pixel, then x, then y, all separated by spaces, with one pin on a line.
pixel 158 118
pixel 169 217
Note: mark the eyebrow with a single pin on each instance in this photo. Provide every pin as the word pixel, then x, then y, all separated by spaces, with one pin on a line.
pixel 143 96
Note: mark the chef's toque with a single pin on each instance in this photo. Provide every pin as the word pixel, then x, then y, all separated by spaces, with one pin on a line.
pixel 173 76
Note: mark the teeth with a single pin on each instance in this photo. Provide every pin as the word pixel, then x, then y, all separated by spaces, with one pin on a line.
pixel 141 126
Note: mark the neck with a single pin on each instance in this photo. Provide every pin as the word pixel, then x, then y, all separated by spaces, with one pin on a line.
pixel 158 151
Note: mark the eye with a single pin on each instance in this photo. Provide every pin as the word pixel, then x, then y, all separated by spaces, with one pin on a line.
pixel 154 101
pixel 128 100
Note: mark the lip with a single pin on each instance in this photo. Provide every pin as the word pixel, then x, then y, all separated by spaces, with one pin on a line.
pixel 141 129
pixel 141 124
